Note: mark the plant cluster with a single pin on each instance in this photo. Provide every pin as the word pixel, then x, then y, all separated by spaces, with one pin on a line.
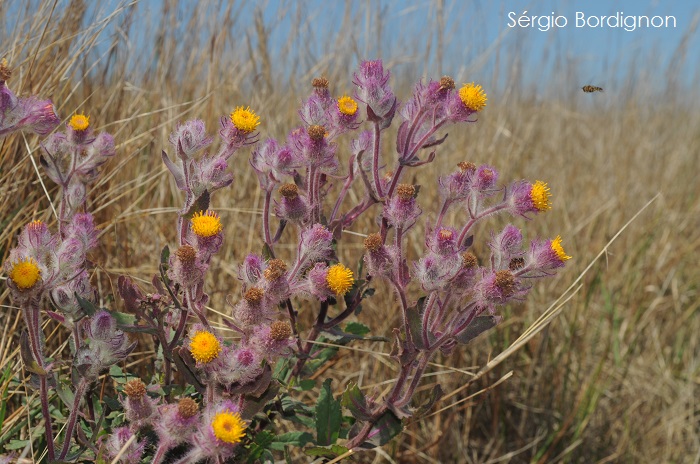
pixel 215 399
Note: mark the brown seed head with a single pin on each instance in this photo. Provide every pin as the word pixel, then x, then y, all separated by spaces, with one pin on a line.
pixel 254 295
pixel 405 191
pixel 187 408
pixel 505 281
pixel 135 389
pixel 5 71
pixel 320 82
pixel 465 166
pixel 186 253
pixel 290 191
pixel 516 263
pixel 373 242
pixel 275 269
pixel 469 261
pixel 280 330
pixel 447 83
pixel 316 132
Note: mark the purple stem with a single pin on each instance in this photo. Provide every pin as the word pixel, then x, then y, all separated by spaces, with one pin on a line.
pixel 266 218
pixel 73 417
pixel 375 160
pixel 483 214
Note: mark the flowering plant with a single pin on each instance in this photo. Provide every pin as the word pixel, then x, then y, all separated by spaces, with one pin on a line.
pixel 216 399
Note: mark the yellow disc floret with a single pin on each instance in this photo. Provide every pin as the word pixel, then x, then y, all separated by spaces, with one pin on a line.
pixel 558 249
pixel 473 96
pixel 540 196
pixel 339 279
pixel 347 105
pixel 228 427
pixel 25 274
pixel 204 346
pixel 245 119
pixel 206 224
pixel 79 122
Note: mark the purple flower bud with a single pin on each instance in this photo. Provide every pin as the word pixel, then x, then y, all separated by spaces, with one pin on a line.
pixel 186 267
pixel 316 282
pixel 373 89
pixel 251 270
pixel 273 340
pixel 506 245
pixel 435 272
pixel 63 296
pixel 379 258
pixel 30 113
pixel 456 186
pixel 272 163
pixel 495 288
pixel 292 206
pixel 311 148
pixel 213 174
pixel 485 179
pixel 313 109
pixel 443 241
pixel 315 244
pixel 116 442
pixel 189 138
pixel 139 408
pixel 176 423
pixel 402 210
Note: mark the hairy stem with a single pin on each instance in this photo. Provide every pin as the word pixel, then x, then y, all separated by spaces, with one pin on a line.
pixel 73 416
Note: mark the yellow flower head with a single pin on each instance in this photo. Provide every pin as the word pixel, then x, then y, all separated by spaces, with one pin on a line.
pixel 540 195
pixel 339 279
pixel 79 122
pixel 347 105
pixel 473 96
pixel 204 346
pixel 25 274
pixel 206 224
pixel 245 119
pixel 556 247
pixel 228 427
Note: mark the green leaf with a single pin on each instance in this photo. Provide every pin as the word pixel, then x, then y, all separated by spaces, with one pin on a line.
pixel 16 444
pixel 291 438
pixel 478 326
pixel 306 384
pixel 201 204
pixel 328 416
pixel 386 428
pixel 165 256
pixel 435 395
pixel 356 328
pixel 261 444
pixel 332 452
pixel 354 400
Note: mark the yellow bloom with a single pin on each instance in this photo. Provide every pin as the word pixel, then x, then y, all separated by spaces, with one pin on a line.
pixel 25 274
pixel 540 196
pixel 206 224
pixel 558 249
pixel 339 279
pixel 204 346
pixel 79 122
pixel 473 96
pixel 347 105
pixel 228 427
pixel 245 119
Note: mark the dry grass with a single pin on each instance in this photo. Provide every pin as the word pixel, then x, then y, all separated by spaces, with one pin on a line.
pixel 614 377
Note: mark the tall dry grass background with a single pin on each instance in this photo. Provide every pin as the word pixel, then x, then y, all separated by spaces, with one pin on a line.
pixel 613 377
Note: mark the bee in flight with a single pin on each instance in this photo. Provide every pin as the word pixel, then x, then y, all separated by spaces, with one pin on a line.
pixel 591 88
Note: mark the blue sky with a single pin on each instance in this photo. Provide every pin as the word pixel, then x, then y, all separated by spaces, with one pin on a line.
pixel 478 43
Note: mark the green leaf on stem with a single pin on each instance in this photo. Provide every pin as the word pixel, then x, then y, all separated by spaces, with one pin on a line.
pixel 355 402
pixel 435 395
pixel 292 439
pixel 384 430
pixel 331 452
pixel 260 444
pixel 478 326
pixel 328 416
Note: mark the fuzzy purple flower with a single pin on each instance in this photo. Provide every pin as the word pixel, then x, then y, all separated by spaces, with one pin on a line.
pixel 189 138
pixel 402 210
pixel 373 89
pixel 116 442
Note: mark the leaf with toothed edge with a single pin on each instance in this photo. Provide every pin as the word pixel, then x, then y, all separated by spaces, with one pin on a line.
pixel 354 401
pixel 328 416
